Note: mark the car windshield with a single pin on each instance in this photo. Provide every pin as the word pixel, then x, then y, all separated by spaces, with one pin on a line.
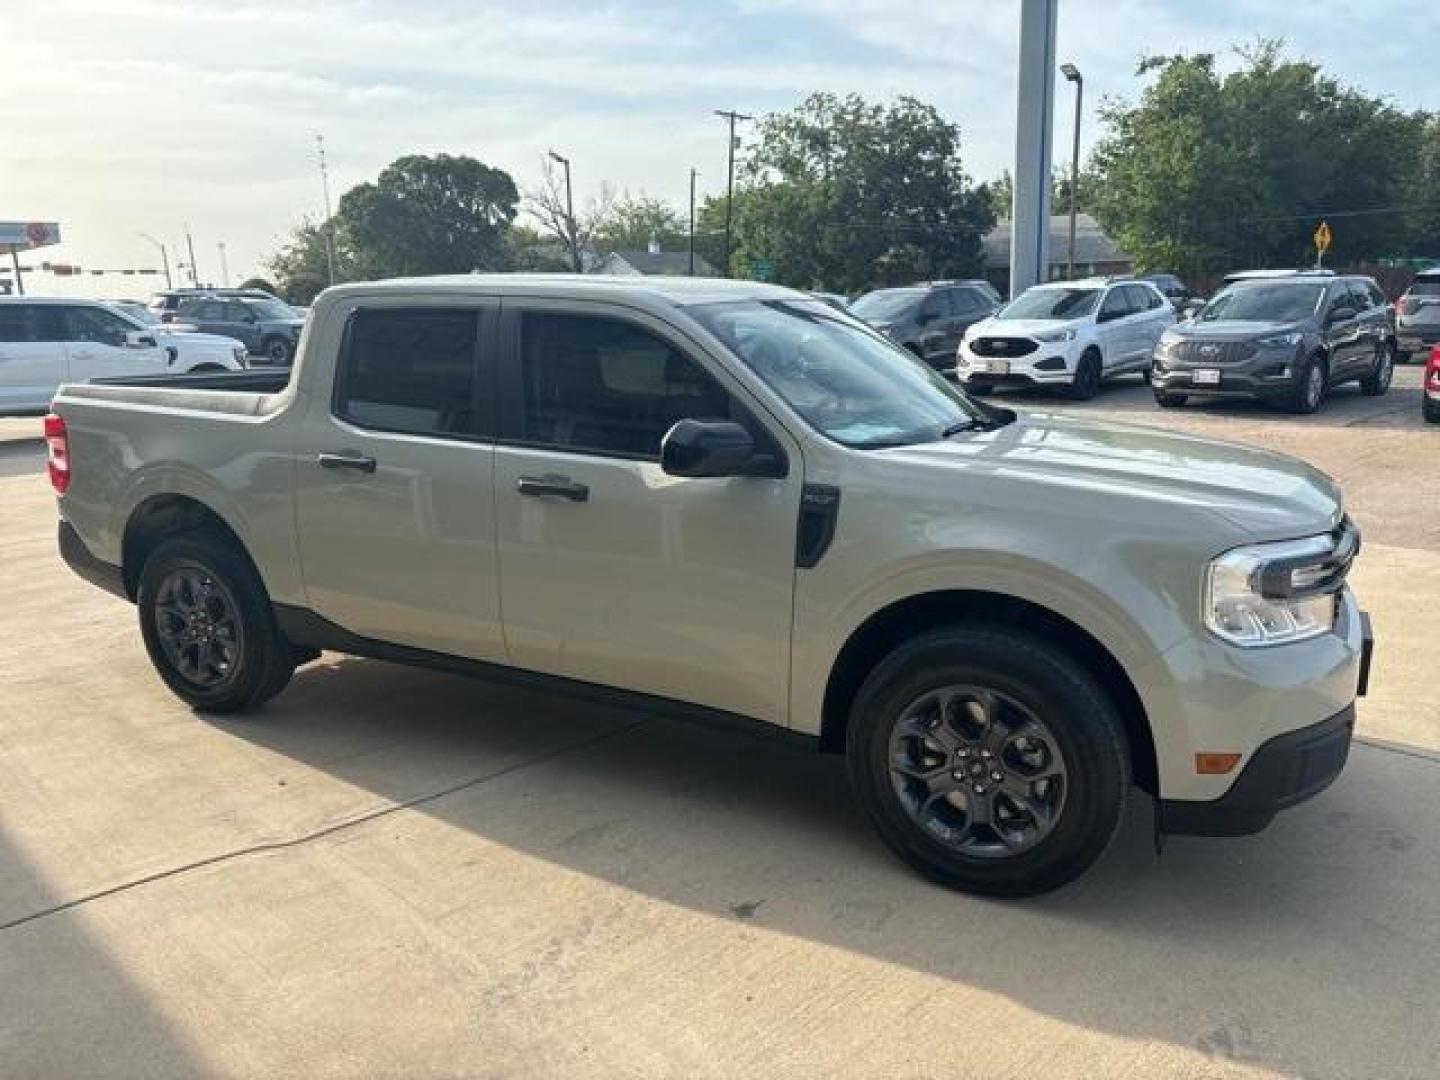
pixel 844 380
pixel 1425 287
pixel 1271 302
pixel 270 309
pixel 1051 303
pixel 139 312
pixel 886 304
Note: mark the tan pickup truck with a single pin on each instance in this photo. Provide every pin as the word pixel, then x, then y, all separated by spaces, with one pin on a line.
pixel 730 501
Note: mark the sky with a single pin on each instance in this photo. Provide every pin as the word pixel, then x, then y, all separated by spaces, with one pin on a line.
pixel 123 117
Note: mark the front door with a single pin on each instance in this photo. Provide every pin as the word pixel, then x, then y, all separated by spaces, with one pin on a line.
pixel 394 493
pixel 32 356
pixel 1344 332
pixel 95 344
pixel 612 571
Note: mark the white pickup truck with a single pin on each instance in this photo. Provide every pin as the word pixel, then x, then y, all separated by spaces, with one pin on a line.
pixel 731 501
pixel 47 341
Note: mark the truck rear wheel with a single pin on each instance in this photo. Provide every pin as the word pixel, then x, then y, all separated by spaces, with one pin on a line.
pixel 989 760
pixel 208 625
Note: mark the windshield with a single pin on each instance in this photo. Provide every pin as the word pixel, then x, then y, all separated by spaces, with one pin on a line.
pixel 1051 304
pixel 886 304
pixel 270 309
pixel 844 380
pixel 139 312
pixel 1264 303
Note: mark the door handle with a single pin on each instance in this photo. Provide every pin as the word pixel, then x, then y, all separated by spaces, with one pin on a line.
pixel 560 487
pixel 358 462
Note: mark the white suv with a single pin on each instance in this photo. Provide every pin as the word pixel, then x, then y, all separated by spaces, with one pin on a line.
pixel 45 342
pixel 1072 334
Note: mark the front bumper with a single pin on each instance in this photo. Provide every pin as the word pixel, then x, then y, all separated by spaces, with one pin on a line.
pixel 1269 376
pixel 1049 365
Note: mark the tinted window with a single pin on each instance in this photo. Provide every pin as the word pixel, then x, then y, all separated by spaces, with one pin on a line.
pixel 1424 286
pixel 94 325
pixel 1051 302
pixel 885 304
pixel 1377 298
pixel 1264 302
pixel 1115 304
pixel 605 386
pixel 967 302
pixel 26 323
pixel 1360 296
pixel 409 371
pixel 235 311
pixel 935 307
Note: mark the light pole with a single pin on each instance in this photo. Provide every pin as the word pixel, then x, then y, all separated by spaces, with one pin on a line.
pixel 190 246
pixel 329 221
pixel 730 115
pixel 224 266
pixel 570 212
pixel 164 258
pixel 1072 73
pixel 692 221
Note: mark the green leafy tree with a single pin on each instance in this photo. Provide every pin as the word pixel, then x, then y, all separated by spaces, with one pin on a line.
pixel 430 215
pixel 301 266
pixel 1210 171
pixel 631 222
pixel 529 249
pixel 260 284
pixel 837 191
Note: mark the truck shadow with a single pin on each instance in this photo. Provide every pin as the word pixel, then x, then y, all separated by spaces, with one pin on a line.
pixel 1291 950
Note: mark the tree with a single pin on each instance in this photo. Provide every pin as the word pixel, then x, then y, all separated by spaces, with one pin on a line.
pixel 529 250
pixel 838 190
pixel 631 222
pixel 260 284
pixel 301 267
pixel 550 205
pixel 430 215
pixel 1001 192
pixel 1212 171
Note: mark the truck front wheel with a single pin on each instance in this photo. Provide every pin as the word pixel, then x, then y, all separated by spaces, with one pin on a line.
pixel 208 625
pixel 989 760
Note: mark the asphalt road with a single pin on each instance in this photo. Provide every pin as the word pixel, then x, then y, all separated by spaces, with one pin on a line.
pixel 392 872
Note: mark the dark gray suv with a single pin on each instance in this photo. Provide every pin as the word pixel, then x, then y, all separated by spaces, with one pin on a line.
pixel 1285 340
pixel 929 319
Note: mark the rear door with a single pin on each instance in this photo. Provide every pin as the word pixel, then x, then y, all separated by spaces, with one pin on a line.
pixel 394 495
pixel 1115 329
pixel 95 343
pixel 624 575
pixel 32 356
pixel 1153 315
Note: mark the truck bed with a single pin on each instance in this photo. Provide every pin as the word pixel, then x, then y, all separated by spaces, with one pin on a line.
pixel 240 393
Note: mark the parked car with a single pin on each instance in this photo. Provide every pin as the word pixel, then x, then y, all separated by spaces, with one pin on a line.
pixel 1284 340
pixel 269 329
pixel 1071 334
pixel 1431 400
pixel 1174 290
pixel 167 302
pixel 145 314
pixel 727 501
pixel 46 342
pixel 928 319
pixel 1417 316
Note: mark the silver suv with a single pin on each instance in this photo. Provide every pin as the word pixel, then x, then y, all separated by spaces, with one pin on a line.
pixel 1417 316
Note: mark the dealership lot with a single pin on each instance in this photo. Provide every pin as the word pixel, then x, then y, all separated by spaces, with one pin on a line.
pixel 391 871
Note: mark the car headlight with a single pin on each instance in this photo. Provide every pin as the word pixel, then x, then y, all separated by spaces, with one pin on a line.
pixel 1169 339
pixel 241 356
pixel 1278 341
pixel 1048 336
pixel 1273 594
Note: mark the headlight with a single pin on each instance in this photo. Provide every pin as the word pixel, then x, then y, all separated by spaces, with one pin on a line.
pixel 1281 340
pixel 1068 334
pixel 240 355
pixel 1169 339
pixel 1271 594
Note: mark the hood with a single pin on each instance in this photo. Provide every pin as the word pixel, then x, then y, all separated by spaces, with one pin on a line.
pixel 1265 495
pixel 1236 329
pixel 1019 327
pixel 188 337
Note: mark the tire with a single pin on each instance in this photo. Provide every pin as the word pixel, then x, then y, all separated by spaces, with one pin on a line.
pixel 1402 356
pixel 1087 376
pixel 277 350
pixel 1145 375
pixel 1431 410
pixel 230 657
pixel 1170 401
pixel 979 389
pixel 1013 677
pixel 1309 389
pixel 205 369
pixel 1378 381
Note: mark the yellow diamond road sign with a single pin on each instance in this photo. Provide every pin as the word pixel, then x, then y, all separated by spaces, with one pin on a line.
pixel 1322 237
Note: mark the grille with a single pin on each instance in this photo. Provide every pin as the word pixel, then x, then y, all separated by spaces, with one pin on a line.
pixel 1003 346
pixel 1224 352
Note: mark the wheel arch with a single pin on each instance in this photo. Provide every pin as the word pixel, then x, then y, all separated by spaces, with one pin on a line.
pixel 907 618
pixel 161 516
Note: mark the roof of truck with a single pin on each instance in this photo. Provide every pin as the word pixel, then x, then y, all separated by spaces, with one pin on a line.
pixel 675 290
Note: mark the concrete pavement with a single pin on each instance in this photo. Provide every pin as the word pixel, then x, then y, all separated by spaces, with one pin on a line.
pixel 391 872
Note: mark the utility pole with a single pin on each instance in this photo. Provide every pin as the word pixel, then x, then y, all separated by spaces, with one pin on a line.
pixel 570 214
pixel 731 116
pixel 15 262
pixel 164 258
pixel 692 221
pixel 1072 73
pixel 190 246
pixel 224 266
pixel 329 222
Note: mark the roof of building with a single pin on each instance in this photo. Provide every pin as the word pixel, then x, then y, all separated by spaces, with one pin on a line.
pixel 1092 246
pixel 663 263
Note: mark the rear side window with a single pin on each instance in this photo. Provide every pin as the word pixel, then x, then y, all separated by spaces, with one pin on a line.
pixel 409 371
pixel 1140 298
pixel 599 385
pixel 1116 304
pixel 94 325
pixel 21 323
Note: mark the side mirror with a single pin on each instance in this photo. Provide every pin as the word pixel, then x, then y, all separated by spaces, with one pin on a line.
pixel 139 339
pixel 1109 316
pixel 712 448
pixel 1339 315
pixel 1192 307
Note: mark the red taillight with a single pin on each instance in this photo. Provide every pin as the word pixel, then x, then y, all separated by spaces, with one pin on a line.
pixel 57 446
pixel 1432 370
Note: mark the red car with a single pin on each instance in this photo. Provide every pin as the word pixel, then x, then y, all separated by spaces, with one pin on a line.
pixel 1432 387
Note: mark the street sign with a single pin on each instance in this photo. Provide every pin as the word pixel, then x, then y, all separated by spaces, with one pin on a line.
pixel 25 235
pixel 762 270
pixel 1322 237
